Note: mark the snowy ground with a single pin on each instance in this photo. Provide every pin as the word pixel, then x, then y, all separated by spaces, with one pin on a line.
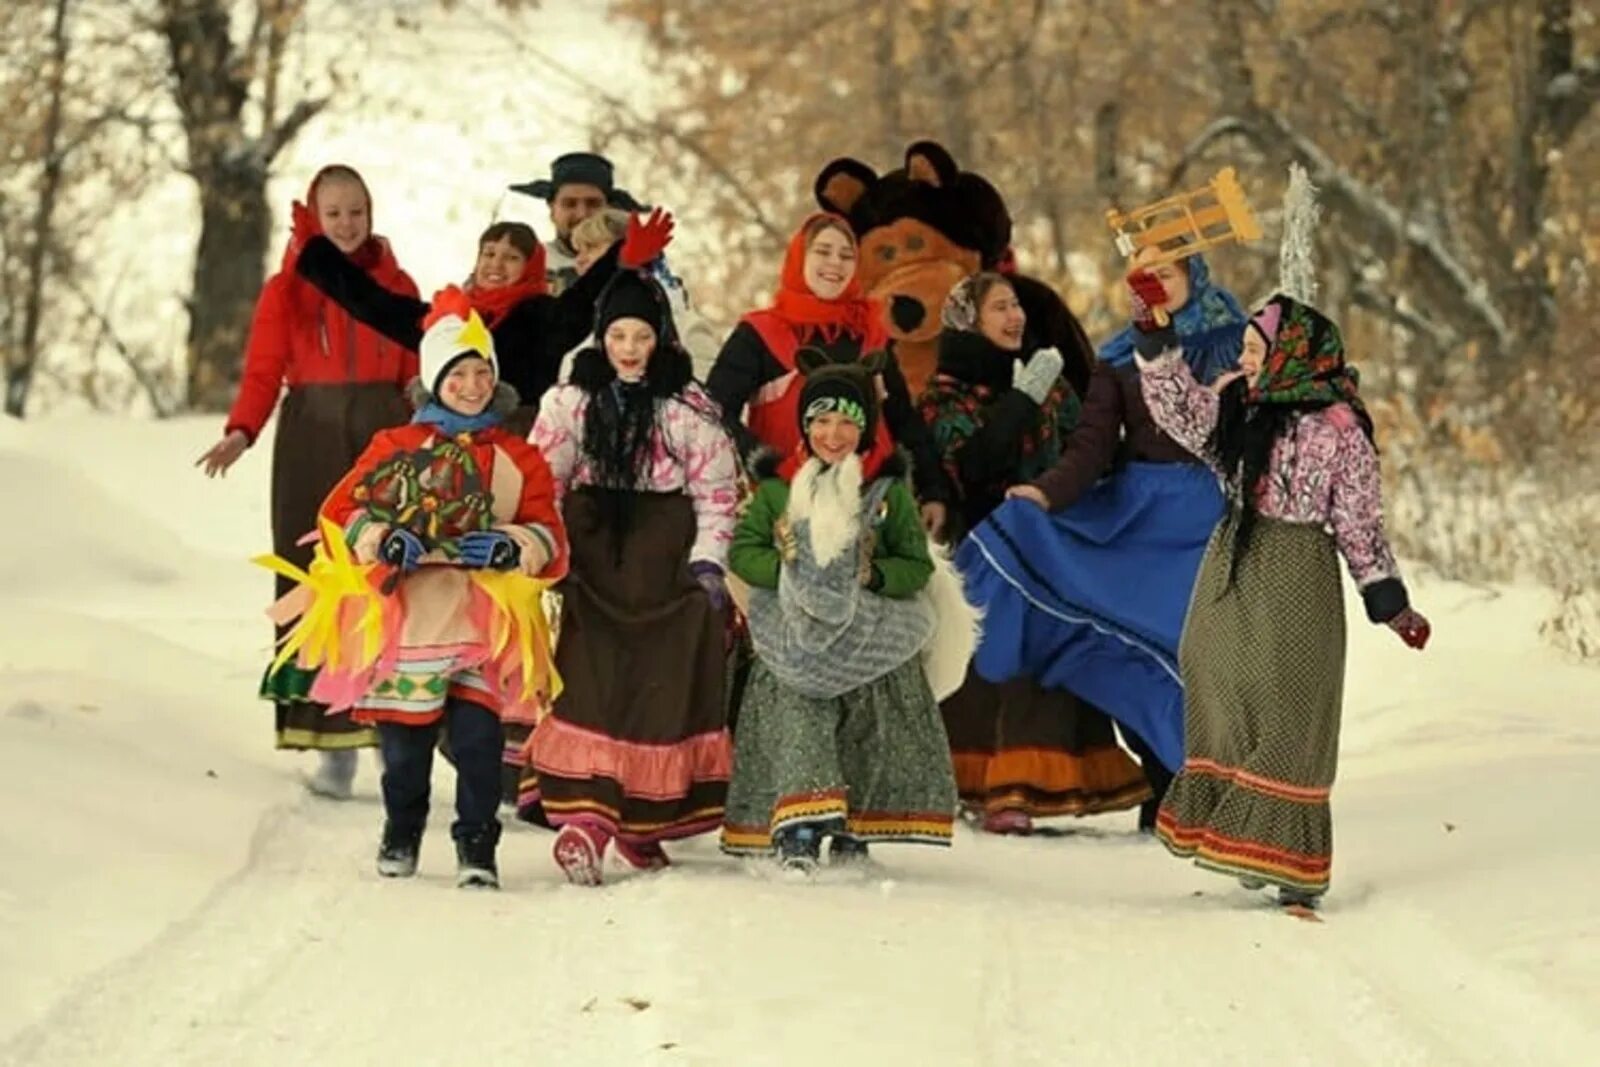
pixel 169 895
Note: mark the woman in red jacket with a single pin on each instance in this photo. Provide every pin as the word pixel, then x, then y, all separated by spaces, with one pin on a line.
pixel 345 383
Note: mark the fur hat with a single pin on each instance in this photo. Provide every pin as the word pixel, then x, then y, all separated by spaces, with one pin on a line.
pixel 581 168
pixel 452 330
pixel 846 387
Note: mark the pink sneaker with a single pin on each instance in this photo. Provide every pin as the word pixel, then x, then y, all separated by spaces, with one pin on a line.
pixel 643 855
pixel 1008 822
pixel 579 850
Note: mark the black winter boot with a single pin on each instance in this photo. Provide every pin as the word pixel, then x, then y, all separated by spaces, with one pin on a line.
pixel 397 852
pixel 475 864
pixel 799 848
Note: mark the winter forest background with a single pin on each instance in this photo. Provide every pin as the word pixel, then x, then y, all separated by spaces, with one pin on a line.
pixel 149 150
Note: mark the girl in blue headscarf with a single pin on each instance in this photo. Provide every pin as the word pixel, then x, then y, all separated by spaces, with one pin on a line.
pixel 1084 575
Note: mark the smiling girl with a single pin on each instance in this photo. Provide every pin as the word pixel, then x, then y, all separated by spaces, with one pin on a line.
pixel 999 415
pixel 636 752
pixel 839 732
pixel 345 382
pixel 1263 654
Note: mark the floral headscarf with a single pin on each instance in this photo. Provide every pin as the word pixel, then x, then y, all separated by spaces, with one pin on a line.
pixel 1305 359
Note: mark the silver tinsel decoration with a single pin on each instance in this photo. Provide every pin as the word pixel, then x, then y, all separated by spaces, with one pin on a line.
pixel 1297 268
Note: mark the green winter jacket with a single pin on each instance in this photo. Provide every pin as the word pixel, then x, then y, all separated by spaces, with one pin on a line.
pixel 901 565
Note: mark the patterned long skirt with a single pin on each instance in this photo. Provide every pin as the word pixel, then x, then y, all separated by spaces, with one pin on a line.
pixel 637 743
pixel 1263 671
pixel 1017 747
pixel 873 765
pixel 322 430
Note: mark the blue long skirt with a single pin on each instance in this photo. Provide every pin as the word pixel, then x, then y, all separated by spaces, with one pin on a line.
pixel 1092 599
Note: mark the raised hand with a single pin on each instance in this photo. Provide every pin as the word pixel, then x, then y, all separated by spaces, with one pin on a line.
pixel 303 226
pixel 645 240
pixel 1038 376
pixel 1146 294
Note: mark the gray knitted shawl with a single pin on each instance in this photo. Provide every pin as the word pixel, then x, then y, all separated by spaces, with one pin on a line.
pixel 820 632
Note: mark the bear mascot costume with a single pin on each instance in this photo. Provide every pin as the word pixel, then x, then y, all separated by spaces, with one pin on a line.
pixel 922 229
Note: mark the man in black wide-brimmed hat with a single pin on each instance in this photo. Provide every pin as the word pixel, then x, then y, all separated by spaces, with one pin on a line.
pixel 580 184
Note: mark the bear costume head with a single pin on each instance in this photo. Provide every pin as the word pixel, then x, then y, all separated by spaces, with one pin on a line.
pixel 921 230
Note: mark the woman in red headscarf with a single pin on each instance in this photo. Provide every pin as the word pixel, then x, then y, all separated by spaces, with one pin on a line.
pixel 345 383
pixel 819 304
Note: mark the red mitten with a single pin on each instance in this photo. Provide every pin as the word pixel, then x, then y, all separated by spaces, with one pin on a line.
pixel 303 226
pixel 1145 293
pixel 1413 628
pixel 645 241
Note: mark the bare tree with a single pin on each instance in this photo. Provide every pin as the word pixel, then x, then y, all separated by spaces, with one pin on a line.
pixel 230 154
pixel 20 367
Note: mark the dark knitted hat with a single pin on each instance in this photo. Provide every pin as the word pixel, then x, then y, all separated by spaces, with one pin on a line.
pixel 846 387
pixel 631 295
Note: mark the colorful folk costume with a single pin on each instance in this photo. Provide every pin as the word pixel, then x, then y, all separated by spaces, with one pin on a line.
pixel 345 383
pixel 420 611
pixel 636 749
pixel 1090 596
pixel 839 731
pixel 1021 751
pixel 1264 644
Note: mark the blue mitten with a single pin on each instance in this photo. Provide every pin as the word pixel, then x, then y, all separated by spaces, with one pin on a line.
pixel 489 550
pixel 402 550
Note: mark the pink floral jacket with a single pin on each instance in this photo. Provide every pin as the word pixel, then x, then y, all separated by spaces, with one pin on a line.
pixel 691 453
pixel 1322 472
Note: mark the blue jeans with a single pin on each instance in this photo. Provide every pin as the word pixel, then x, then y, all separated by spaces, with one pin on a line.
pixel 476 740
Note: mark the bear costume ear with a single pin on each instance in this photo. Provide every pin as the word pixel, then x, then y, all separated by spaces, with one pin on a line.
pixel 932 164
pixel 875 362
pixel 809 359
pixel 986 209
pixel 842 184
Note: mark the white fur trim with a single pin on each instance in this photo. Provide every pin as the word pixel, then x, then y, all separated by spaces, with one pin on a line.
pixel 830 498
pixel 956 628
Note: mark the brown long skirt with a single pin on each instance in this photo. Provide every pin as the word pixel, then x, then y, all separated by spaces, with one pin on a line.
pixel 1018 747
pixel 638 740
pixel 1263 674
pixel 322 430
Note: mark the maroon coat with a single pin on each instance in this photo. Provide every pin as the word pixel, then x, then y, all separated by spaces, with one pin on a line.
pixel 1115 426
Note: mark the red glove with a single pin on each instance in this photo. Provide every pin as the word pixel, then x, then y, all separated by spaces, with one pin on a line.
pixel 645 241
pixel 303 227
pixel 1146 293
pixel 1412 627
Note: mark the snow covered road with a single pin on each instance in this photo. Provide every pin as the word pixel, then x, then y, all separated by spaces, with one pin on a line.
pixel 169 895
